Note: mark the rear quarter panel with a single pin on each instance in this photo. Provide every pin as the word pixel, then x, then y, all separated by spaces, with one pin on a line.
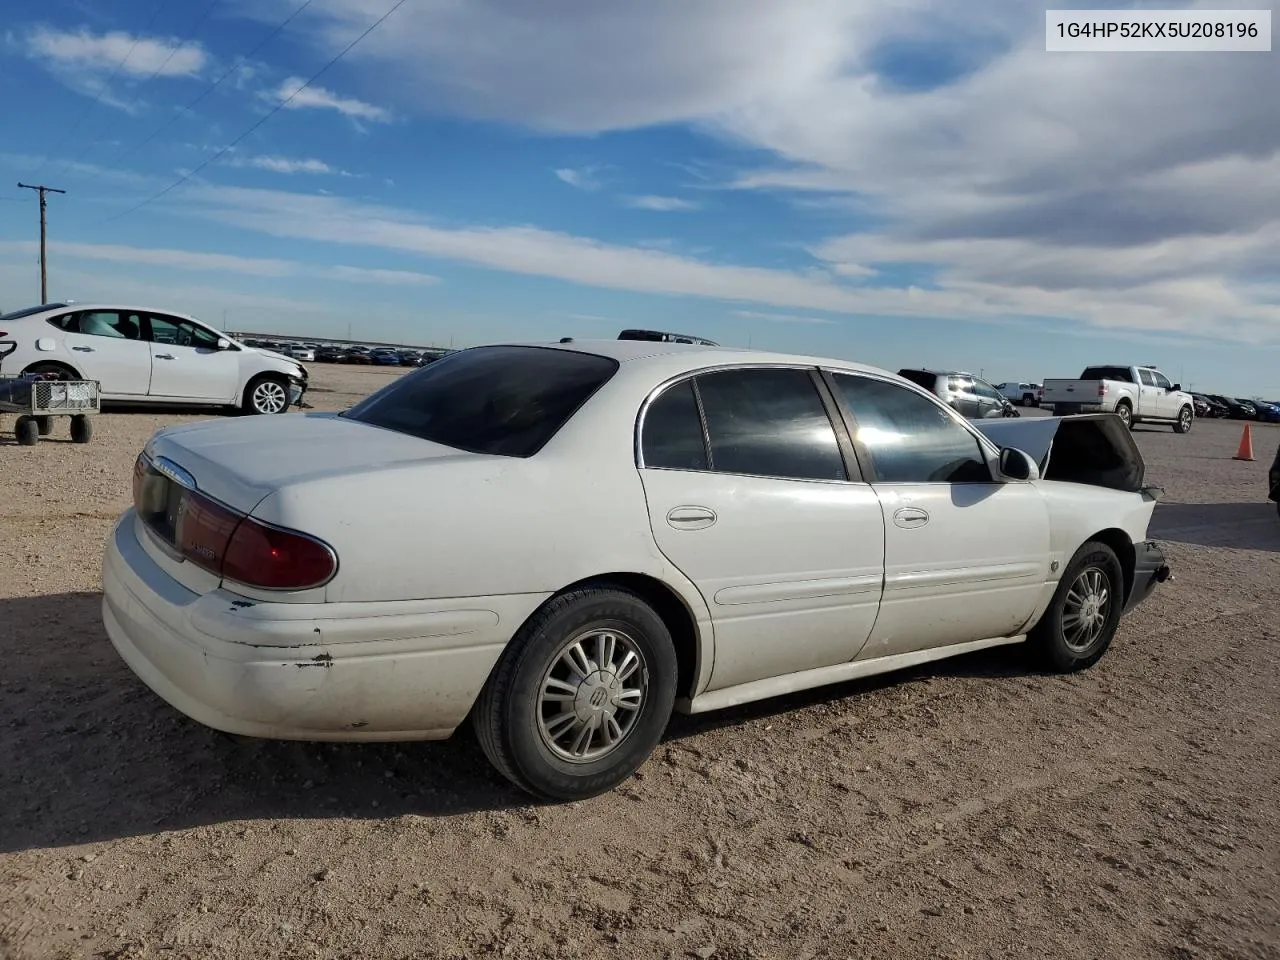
pixel 1078 512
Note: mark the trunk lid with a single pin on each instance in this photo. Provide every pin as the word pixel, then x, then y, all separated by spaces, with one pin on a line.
pixel 1093 448
pixel 239 462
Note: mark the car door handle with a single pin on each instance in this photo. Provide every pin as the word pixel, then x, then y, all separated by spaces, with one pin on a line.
pixel 83 349
pixel 165 356
pixel 691 518
pixel 910 517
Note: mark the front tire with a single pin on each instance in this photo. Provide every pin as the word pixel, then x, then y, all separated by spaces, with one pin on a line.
pixel 1184 421
pixel 581 696
pixel 26 431
pixel 1083 616
pixel 267 394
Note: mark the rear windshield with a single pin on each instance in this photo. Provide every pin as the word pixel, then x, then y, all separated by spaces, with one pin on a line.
pixel 922 378
pixel 1123 374
pixel 28 311
pixel 506 401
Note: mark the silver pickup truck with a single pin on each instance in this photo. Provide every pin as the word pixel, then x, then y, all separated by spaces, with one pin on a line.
pixel 1136 394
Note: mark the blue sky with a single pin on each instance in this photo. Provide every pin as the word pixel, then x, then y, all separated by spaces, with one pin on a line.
pixel 908 183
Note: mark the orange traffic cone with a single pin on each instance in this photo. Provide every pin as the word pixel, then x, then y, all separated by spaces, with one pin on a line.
pixel 1246 445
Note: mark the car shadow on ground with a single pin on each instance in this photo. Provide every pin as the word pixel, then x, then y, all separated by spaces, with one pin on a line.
pixel 89 754
pixel 1242 526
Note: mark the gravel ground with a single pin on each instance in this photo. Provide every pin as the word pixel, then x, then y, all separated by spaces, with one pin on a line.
pixel 969 809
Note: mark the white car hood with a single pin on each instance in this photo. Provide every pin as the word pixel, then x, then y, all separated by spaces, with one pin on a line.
pixel 240 461
pixel 273 355
pixel 1093 448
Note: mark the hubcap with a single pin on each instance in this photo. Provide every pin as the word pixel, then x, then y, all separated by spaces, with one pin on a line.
pixel 1084 614
pixel 591 695
pixel 1124 414
pixel 269 397
pixel 1186 418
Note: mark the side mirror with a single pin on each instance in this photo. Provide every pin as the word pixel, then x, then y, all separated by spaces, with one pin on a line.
pixel 224 343
pixel 1177 386
pixel 1017 465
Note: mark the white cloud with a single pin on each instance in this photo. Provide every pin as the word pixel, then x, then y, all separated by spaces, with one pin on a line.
pixel 651 202
pixel 288 165
pixel 220 263
pixel 781 317
pixel 318 98
pixel 135 56
pixel 1137 191
pixel 584 178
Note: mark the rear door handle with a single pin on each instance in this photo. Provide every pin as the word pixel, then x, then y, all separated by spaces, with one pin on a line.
pixel 910 517
pixel 164 356
pixel 83 349
pixel 691 518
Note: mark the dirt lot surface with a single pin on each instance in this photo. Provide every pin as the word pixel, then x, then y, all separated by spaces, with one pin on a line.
pixel 970 809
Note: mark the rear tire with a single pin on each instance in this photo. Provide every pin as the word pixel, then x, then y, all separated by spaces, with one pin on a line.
pixel 1125 413
pixel 45 424
pixel 266 394
pixel 1083 615
pixel 27 431
pixel 1184 421
pixel 581 696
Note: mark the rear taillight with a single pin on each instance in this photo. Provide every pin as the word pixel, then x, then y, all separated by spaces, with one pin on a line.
pixel 204 530
pixel 1102 388
pixel 227 543
pixel 273 558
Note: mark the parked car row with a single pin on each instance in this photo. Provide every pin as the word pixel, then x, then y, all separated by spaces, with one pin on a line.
pixel 1235 408
pixel 332 353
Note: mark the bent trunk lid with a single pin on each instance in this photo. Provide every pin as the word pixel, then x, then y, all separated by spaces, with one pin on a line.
pixel 1093 448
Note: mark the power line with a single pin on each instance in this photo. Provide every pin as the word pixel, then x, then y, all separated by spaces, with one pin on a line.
pixel 213 86
pixel 261 120
pixel 103 89
pixel 173 52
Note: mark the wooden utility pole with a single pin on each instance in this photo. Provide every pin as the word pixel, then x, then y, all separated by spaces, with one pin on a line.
pixel 44 273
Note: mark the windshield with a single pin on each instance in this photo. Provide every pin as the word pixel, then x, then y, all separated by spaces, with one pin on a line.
pixel 28 311
pixel 505 401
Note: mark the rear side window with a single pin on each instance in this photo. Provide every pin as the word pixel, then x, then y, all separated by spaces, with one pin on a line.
pixel 505 401
pixel 769 423
pixel 672 435
pixel 1123 374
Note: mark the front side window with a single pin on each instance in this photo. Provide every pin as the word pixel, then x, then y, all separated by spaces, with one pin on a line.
pixel 672 434
pixel 910 438
pixel 769 423
pixel 181 333
pixel 1162 381
pixel 502 400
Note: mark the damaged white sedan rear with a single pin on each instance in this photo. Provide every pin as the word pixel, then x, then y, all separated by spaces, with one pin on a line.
pixel 565 542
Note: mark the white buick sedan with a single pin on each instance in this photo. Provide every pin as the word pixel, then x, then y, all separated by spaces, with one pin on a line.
pixel 566 541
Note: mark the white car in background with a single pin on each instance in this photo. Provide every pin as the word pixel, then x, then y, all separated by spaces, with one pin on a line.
pixel 565 541
pixel 302 352
pixel 1021 393
pixel 143 355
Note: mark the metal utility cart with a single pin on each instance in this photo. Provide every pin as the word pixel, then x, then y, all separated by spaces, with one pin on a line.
pixel 36 402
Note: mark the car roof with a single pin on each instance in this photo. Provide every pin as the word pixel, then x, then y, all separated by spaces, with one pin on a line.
pixel 641 351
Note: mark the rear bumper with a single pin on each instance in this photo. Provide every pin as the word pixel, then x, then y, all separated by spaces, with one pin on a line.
pixel 293 671
pixel 1149 569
